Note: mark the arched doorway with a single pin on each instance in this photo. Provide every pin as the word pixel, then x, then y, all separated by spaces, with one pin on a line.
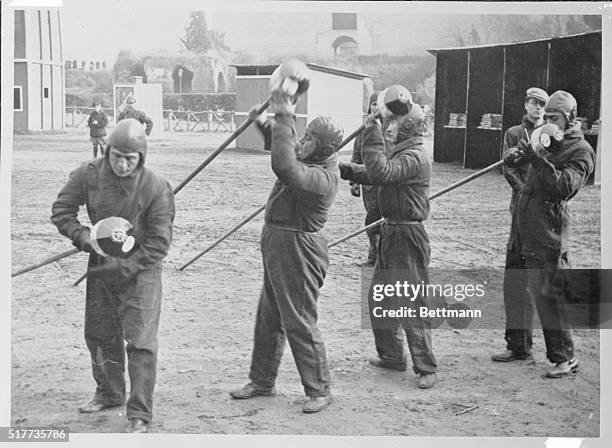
pixel 182 77
pixel 345 46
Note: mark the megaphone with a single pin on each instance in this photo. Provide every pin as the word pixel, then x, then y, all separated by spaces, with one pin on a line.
pixel 546 138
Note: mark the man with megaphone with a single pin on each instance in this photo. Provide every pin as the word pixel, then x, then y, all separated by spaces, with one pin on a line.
pixel 132 210
pixel 294 250
pixel 559 162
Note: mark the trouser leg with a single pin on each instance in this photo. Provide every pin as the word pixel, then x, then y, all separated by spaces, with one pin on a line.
pixel 104 339
pixel 518 304
pixel 140 313
pixel 388 340
pixel 370 201
pixel 297 263
pixel 404 255
pixel 547 285
pixel 269 340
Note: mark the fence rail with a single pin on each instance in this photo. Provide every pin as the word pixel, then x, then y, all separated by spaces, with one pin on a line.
pixel 173 120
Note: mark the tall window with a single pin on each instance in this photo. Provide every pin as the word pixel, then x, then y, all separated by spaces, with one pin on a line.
pixel 17 98
pixel 344 21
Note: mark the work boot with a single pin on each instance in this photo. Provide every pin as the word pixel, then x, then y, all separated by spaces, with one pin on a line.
pixel 138 426
pixel 252 390
pixel 97 405
pixel 562 369
pixel 427 380
pixel 387 364
pixel 509 356
pixel 316 404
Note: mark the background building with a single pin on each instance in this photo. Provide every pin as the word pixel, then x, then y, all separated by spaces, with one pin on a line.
pixel 38 102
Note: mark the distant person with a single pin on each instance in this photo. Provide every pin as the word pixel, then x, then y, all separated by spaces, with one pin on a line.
pixel 97 122
pixel 130 111
pixel 369 193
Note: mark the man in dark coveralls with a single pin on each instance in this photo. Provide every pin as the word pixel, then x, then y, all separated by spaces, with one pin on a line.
pixel 130 111
pixel 123 296
pixel 402 175
pixel 518 305
pixel 553 178
pixel 369 193
pixel 295 256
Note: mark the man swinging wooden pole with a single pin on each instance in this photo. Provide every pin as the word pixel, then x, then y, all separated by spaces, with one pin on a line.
pixel 259 210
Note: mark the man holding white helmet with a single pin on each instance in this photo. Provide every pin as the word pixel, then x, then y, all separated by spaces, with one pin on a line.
pixel 560 162
pixel 518 305
pixel 402 176
pixel 294 250
pixel 132 210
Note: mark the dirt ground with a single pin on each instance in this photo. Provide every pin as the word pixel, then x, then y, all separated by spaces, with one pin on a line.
pixel 209 309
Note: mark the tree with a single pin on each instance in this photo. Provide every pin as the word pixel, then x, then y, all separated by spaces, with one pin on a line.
pixel 127 66
pixel 197 37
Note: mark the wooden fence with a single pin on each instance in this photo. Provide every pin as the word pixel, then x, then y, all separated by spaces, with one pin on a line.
pixel 173 120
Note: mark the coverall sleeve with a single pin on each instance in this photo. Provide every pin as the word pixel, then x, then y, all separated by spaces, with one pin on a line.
pixel 147 122
pixel 563 183
pixel 65 209
pixel 356 157
pixel 512 174
pixel 379 168
pixel 157 222
pixel 289 170
pixel 89 120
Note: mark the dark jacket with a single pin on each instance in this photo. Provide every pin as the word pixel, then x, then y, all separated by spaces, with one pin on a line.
pixel 130 112
pixel 265 129
pixel 516 175
pixel 304 191
pixel 403 175
pixel 144 199
pixel 97 122
pixel 543 218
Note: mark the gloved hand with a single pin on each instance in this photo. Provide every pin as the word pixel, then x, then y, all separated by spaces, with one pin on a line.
pixel 281 103
pixel 346 170
pixel 83 242
pixel 261 119
pixel 355 190
pixel 514 157
pixel 526 150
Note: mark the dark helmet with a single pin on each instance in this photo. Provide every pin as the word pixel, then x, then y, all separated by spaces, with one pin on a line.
pixel 565 103
pixel 328 134
pixel 373 99
pixel 129 136
pixel 411 124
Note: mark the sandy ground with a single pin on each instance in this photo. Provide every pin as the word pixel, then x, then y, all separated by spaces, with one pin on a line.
pixel 208 312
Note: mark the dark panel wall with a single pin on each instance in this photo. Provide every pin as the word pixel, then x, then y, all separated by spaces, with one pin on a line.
pixel 451 82
pixel 486 74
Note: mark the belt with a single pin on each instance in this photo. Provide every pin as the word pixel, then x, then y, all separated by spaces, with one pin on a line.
pixel 291 229
pixel 395 222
